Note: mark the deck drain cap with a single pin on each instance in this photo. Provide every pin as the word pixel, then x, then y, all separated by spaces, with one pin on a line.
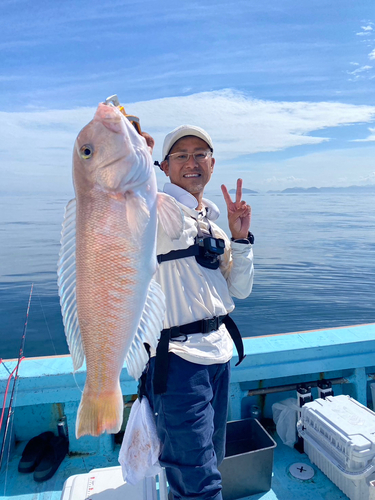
pixel 301 471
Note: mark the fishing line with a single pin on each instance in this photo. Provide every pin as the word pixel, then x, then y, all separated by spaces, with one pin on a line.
pixel 6 393
pixel 45 320
pixel 20 358
pixel 11 433
pixel 5 366
pixel 75 380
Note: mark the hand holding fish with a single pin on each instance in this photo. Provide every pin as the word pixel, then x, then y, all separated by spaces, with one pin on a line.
pixel 149 140
pixel 239 212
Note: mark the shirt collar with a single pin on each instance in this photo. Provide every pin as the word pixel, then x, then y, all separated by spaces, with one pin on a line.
pixel 187 199
pixel 180 195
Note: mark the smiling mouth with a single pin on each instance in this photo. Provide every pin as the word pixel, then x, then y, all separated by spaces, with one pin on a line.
pixel 191 175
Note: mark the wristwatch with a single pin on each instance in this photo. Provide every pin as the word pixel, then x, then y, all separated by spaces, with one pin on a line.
pixel 249 239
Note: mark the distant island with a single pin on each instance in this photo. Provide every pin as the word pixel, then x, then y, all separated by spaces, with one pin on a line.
pixel 244 190
pixel 347 189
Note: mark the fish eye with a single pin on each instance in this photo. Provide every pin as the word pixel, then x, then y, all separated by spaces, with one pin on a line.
pixel 86 151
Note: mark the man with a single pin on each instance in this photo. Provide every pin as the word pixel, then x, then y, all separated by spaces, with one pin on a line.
pixel 187 382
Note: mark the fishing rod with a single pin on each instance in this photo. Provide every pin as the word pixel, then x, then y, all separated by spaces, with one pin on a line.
pixel 20 358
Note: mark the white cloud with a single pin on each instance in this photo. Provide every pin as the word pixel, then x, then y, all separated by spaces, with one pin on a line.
pixel 366 30
pixel 360 70
pixel 281 181
pixel 326 168
pixel 36 146
pixel 370 138
pixel 241 125
pixel 372 54
pixel 368 179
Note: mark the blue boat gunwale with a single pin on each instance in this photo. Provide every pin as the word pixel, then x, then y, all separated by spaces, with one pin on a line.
pixel 323 349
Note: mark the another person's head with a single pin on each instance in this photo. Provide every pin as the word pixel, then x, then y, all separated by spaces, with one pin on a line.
pixel 187 158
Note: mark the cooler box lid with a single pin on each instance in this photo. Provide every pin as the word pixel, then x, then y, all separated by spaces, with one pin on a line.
pixel 105 483
pixel 343 428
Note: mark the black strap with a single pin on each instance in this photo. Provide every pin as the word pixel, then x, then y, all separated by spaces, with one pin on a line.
pixel 161 364
pixel 200 326
pixel 179 254
pixel 236 337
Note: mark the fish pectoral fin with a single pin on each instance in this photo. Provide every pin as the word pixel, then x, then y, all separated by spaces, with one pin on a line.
pixel 137 212
pixel 150 326
pixel 66 280
pixel 170 216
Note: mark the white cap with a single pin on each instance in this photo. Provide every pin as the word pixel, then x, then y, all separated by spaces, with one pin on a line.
pixel 183 131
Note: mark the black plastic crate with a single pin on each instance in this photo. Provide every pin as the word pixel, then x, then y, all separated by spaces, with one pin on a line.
pixel 248 462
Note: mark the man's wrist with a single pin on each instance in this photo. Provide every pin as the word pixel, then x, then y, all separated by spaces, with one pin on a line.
pixel 249 239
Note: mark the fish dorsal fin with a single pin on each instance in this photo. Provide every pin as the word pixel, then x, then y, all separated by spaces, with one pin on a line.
pixel 66 280
pixel 148 332
pixel 170 216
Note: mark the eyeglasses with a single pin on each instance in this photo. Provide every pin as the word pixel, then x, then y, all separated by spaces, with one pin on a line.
pixel 199 156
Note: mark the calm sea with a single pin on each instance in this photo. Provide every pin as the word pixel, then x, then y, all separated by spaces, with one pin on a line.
pixel 314 266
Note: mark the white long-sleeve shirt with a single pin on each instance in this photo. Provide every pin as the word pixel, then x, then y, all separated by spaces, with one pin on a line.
pixel 194 292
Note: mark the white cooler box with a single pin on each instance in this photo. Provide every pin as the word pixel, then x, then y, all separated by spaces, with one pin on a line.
pixel 339 437
pixel 108 484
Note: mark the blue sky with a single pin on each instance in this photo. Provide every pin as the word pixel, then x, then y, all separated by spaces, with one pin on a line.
pixel 285 88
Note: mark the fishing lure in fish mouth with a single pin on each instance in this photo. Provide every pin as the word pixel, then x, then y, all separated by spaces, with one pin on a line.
pixel 134 120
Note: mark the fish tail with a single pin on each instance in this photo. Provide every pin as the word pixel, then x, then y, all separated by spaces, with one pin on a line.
pixel 98 414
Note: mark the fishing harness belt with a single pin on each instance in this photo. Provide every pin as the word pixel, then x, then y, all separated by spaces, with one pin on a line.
pixel 200 326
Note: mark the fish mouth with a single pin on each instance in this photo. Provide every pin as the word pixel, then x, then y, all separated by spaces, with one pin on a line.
pixel 110 117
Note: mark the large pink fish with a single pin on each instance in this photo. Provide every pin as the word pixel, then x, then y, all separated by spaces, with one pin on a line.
pixel 110 304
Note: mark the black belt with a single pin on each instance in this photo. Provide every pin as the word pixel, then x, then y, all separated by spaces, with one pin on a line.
pixel 201 326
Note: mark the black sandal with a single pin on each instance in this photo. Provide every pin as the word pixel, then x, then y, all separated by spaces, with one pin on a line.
pixel 33 452
pixel 55 453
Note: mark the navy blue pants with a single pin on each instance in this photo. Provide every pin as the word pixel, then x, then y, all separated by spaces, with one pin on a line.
pixel 191 423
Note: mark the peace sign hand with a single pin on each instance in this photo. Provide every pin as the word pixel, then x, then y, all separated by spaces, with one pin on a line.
pixel 239 213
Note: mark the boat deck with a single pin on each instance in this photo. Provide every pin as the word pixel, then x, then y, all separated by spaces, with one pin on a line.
pixel 47 391
pixel 14 485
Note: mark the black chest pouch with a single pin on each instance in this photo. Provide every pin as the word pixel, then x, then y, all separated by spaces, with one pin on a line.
pixel 205 250
pixel 209 249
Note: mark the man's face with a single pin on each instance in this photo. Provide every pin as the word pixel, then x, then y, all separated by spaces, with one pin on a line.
pixel 191 175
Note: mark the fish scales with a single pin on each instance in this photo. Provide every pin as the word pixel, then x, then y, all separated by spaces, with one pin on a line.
pixel 106 263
